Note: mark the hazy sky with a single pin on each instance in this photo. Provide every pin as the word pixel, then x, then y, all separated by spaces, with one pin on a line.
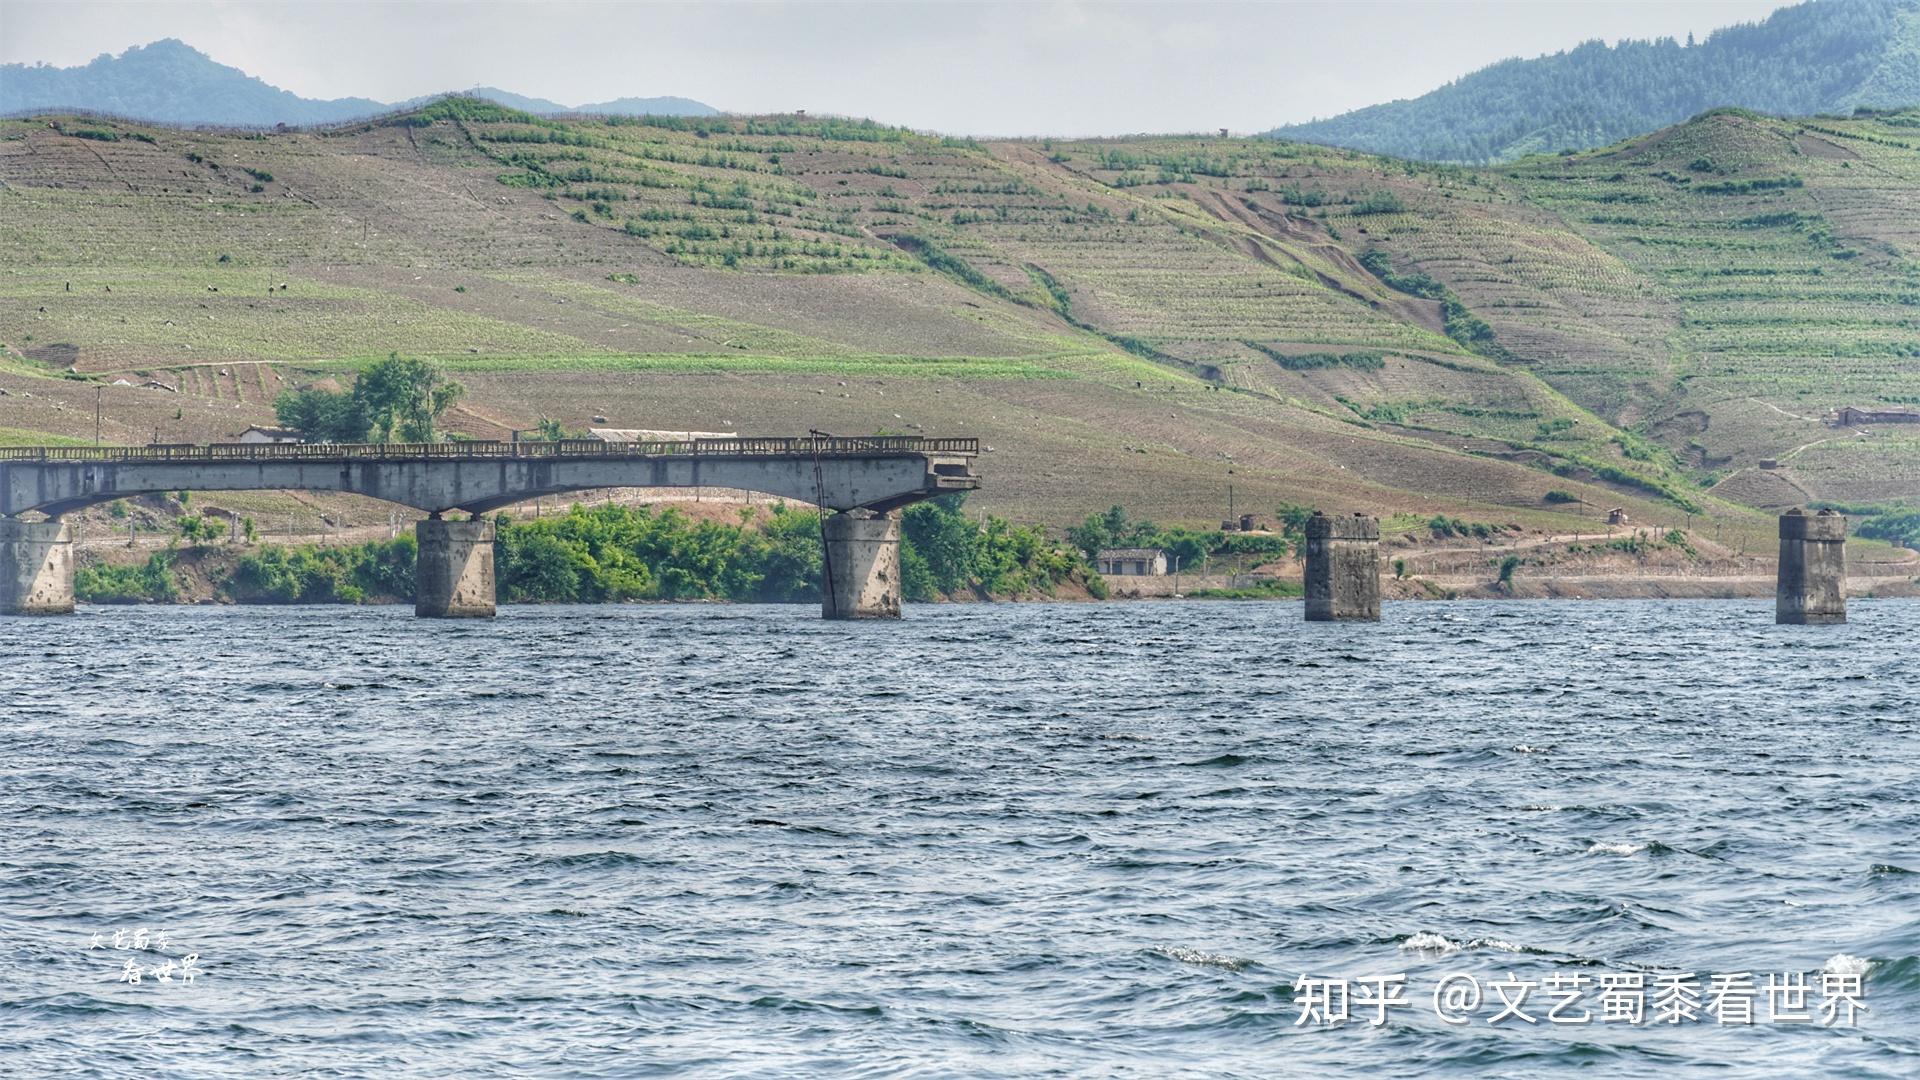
pixel 987 68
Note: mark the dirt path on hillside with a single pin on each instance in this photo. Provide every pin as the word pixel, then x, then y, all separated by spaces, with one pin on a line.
pixel 1521 545
pixel 1783 412
pixel 1789 455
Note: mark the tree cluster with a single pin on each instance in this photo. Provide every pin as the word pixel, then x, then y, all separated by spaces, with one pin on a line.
pixel 399 399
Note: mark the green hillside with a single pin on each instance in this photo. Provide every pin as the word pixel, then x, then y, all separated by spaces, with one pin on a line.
pixel 1139 321
pixel 1817 57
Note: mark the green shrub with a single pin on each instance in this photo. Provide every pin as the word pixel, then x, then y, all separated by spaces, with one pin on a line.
pixel 1380 202
pixel 1750 187
pixel 1360 361
pixel 940 259
pixel 1896 526
pixel 1443 526
pixel 150 582
pixel 320 575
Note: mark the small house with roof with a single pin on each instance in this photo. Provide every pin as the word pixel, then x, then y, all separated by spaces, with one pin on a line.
pixel 1131 562
pixel 256 435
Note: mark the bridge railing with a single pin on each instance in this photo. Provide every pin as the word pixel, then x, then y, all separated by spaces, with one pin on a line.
pixel 804 446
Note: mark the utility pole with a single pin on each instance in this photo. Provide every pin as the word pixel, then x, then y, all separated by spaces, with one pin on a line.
pixel 97 391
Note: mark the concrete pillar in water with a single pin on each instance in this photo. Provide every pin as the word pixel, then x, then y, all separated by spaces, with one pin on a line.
pixel 36 567
pixel 454 575
pixel 1343 568
pixel 862 578
pixel 1812 587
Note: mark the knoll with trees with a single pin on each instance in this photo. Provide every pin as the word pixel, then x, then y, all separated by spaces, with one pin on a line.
pixel 399 399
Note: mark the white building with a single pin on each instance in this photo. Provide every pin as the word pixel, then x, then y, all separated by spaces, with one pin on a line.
pixel 636 435
pixel 1131 562
pixel 268 435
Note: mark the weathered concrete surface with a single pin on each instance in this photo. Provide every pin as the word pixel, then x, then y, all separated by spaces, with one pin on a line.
pixel 483 484
pixel 36 567
pixel 862 579
pixel 453 577
pixel 1812 586
pixel 1343 568
pixel 1148 586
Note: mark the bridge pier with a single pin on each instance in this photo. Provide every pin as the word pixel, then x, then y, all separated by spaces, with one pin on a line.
pixel 862 578
pixel 1343 568
pixel 453 574
pixel 1812 583
pixel 36 567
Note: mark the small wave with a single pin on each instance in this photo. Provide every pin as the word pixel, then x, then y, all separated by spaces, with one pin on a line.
pixel 789 1004
pixel 1195 956
pixel 593 859
pixel 1625 847
pixel 1846 964
pixel 1427 941
pixel 1523 748
pixel 1900 974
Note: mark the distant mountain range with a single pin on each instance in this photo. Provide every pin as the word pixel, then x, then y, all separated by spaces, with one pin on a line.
pixel 171 82
pixel 1818 57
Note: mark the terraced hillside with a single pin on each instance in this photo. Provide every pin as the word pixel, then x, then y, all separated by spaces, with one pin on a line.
pixel 1141 321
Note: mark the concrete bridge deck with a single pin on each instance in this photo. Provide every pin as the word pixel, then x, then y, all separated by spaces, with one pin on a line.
pixel 865 481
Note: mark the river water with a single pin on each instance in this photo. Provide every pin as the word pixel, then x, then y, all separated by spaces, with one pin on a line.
pixel 986 840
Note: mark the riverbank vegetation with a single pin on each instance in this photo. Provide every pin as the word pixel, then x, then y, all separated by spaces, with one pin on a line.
pixel 153 581
pixel 619 553
pixel 1894 524
pixel 1191 548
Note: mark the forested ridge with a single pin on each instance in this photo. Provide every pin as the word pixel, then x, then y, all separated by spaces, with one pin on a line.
pixel 1824 56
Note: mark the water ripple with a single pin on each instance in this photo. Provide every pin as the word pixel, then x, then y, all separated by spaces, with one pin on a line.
pixel 988 840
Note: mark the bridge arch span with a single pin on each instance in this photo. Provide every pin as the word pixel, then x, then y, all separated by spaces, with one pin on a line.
pixel 881 473
pixel 862 479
